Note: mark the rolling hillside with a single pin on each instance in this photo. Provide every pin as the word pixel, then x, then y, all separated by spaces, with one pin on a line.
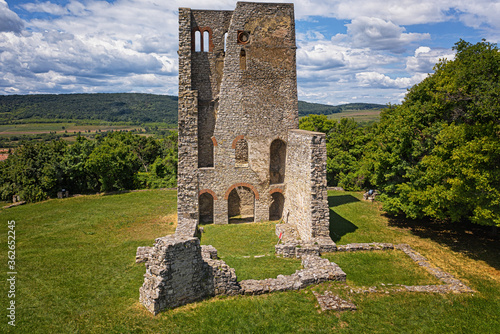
pixel 121 107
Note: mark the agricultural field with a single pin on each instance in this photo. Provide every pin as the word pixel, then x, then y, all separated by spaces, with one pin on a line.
pixel 76 272
pixel 13 134
pixel 8 130
pixel 361 116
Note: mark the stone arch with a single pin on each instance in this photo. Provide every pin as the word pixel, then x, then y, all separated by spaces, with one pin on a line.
pixel 241 205
pixel 206 206
pixel 242 184
pixel 203 191
pixel 277 161
pixel 277 205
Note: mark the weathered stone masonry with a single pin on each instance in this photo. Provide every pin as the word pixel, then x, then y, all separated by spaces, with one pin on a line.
pixel 237 111
pixel 180 271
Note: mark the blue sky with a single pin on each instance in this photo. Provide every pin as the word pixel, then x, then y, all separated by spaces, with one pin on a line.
pixel 348 51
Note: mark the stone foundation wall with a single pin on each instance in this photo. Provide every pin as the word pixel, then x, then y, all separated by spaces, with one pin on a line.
pixel 180 271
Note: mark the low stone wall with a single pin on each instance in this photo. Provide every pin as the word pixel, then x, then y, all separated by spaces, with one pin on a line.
pixel 180 271
pixel 175 274
pixel 316 270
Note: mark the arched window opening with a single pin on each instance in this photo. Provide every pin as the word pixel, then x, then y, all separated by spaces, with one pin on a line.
pixel 241 205
pixel 206 41
pixel 225 41
pixel 206 205
pixel 277 204
pixel 243 60
pixel 241 152
pixel 197 41
pixel 277 162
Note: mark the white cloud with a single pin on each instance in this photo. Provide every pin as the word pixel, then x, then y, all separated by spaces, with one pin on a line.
pixel 44 7
pixel 379 80
pixel 378 34
pixel 425 58
pixel 130 45
pixel 9 21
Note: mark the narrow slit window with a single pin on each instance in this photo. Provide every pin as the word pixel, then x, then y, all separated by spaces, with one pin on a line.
pixel 197 41
pixel 225 41
pixel 206 41
pixel 243 60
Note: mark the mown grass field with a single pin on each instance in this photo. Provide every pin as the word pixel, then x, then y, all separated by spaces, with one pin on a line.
pixel 76 272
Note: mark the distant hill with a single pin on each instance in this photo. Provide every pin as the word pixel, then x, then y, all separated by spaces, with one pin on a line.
pixel 115 107
pixel 307 108
pixel 122 107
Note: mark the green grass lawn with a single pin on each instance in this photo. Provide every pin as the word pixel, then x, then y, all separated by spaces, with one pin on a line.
pixel 76 273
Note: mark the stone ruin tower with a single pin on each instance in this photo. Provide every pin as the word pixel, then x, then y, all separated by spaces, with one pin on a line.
pixel 241 154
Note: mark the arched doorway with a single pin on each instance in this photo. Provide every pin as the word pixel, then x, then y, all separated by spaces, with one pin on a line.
pixel 206 205
pixel 241 205
pixel 277 161
pixel 276 207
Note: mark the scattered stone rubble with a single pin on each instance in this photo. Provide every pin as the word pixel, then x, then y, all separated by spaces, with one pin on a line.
pixel 329 301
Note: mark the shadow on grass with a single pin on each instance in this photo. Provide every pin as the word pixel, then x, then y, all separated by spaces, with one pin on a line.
pixel 339 226
pixel 473 240
pixel 341 199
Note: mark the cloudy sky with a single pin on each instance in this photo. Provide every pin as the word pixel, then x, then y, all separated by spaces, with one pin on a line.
pixel 348 51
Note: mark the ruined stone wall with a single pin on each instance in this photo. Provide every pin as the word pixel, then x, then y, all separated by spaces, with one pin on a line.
pixel 187 176
pixel 175 274
pixel 180 271
pixel 206 73
pixel 243 97
pixel 306 205
pixel 256 103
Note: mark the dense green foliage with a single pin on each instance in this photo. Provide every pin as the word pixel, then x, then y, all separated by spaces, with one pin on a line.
pixel 346 142
pixel 438 153
pixel 117 161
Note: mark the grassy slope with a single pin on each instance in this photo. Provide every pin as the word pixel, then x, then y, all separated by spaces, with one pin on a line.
pixel 76 273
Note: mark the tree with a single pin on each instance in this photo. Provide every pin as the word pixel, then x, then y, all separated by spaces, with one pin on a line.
pixel 437 153
pixel 34 171
pixel 114 163
pixel 346 144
